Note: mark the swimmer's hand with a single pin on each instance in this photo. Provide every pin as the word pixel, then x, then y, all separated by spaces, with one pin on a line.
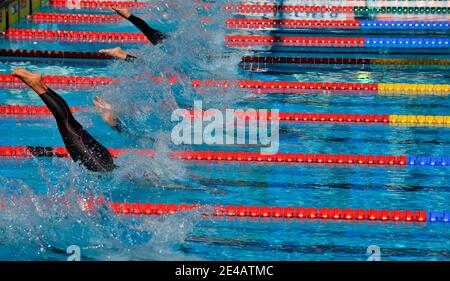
pixel 121 12
pixel 114 52
pixel 102 106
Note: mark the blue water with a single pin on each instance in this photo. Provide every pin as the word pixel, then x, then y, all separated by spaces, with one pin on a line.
pixel 35 227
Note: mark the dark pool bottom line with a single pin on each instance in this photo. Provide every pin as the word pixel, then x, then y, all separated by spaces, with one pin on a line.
pixel 51 54
pixel 314 249
pixel 247 157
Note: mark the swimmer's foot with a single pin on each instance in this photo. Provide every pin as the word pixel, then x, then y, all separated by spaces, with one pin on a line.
pixel 33 80
pixel 123 12
pixel 116 52
pixel 102 106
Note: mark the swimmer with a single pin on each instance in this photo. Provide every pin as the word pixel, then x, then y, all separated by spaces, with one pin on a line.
pixel 79 143
pixel 154 36
pixel 107 113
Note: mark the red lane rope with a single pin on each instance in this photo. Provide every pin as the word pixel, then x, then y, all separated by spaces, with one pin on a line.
pixel 252 9
pixel 312 117
pixel 97 4
pixel 254 40
pixel 76 36
pixel 272 212
pixel 282 116
pixel 70 18
pixel 29 110
pixel 259 86
pixel 139 38
pixel 288 86
pixel 292 24
pixel 74 18
pixel 227 156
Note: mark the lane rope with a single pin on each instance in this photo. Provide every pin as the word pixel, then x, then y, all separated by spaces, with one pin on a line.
pixel 41 17
pixel 245 41
pixel 356 10
pixel 248 157
pixel 311 213
pixel 234 41
pixel 72 18
pixel 21 53
pixel 333 61
pixel 264 213
pixel 247 23
pixel 92 4
pixel 76 36
pixel 344 118
pixel 8 81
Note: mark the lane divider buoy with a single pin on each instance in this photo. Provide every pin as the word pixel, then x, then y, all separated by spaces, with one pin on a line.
pixel 43 35
pixel 248 157
pixel 42 17
pixel 20 53
pixel 275 212
pixel 303 117
pixel 234 41
pixel 258 87
pixel 245 41
pixel 73 18
pixel 90 4
pixel 355 10
pixel 246 23
pixel 340 61
pixel 311 213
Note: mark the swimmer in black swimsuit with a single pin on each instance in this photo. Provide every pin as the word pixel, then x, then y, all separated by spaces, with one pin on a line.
pixel 80 144
pixel 154 36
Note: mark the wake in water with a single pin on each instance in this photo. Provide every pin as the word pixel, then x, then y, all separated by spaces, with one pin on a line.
pixel 42 225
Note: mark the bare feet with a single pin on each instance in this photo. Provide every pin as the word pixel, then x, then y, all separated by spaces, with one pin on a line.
pixel 102 106
pixel 33 80
pixel 123 12
pixel 116 52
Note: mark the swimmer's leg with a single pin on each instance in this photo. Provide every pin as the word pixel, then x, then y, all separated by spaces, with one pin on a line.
pixel 79 143
pixel 152 34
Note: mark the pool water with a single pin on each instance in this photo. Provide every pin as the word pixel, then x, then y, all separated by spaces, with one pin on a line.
pixel 35 227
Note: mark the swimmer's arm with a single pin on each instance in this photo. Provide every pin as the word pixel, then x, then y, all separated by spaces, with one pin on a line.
pixel 153 35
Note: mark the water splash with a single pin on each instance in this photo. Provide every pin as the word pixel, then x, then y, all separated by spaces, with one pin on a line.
pixel 42 225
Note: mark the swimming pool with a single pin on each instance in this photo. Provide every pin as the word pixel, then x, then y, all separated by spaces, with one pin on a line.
pixel 34 226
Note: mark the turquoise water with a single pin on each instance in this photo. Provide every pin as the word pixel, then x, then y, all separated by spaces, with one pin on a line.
pixel 35 227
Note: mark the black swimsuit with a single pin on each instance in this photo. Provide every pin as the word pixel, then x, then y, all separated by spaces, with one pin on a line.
pixel 153 35
pixel 79 143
